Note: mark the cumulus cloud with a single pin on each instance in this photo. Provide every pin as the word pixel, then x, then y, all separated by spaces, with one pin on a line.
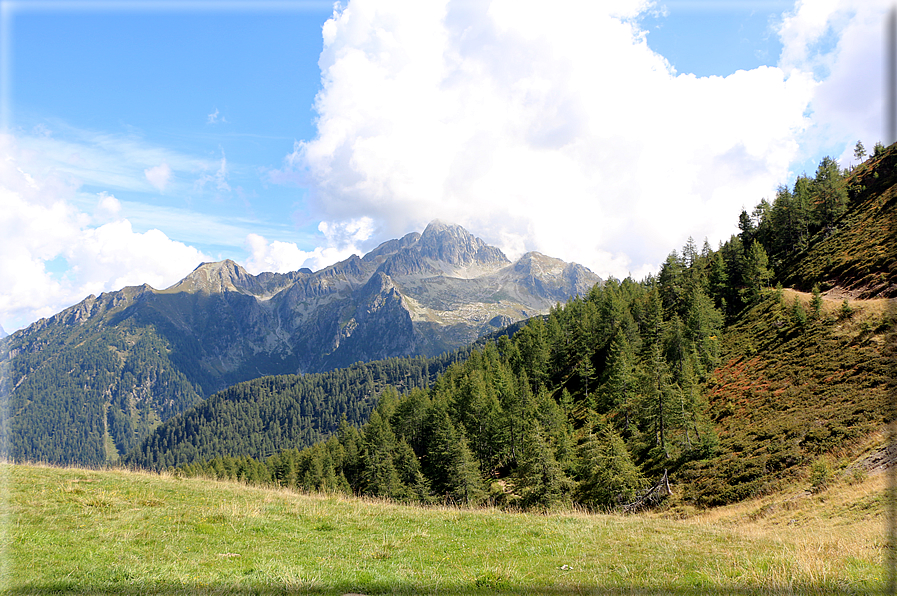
pixel 158 176
pixel 108 207
pixel 841 42
pixel 540 131
pixel 342 240
pixel 566 135
pixel 39 225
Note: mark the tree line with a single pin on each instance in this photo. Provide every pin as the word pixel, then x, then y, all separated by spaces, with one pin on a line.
pixel 584 406
pixel 264 416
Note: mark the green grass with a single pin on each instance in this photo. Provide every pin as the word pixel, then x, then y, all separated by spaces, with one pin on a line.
pixel 72 531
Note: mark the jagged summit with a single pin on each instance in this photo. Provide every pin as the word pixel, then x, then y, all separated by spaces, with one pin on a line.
pixel 424 294
pixel 453 244
pixel 215 277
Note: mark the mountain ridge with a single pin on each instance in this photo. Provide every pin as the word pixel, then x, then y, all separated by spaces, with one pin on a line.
pixel 420 295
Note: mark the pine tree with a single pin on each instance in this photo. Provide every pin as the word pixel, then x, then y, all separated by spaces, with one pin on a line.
pixel 757 272
pixel 802 206
pixel 379 477
pixel 831 191
pixel 816 301
pixel 620 385
pixel 798 314
pixel 607 475
pixel 539 478
pixel 859 152
pixel 659 399
pixel 704 324
pixel 671 283
pixel 747 228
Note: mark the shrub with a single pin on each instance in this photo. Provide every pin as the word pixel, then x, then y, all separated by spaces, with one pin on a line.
pixel 845 311
pixel 816 301
pixel 798 314
pixel 820 475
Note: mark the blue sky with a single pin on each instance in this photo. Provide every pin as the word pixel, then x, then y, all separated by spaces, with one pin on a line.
pixel 142 138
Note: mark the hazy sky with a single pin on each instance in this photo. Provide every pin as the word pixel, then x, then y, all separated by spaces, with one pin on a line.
pixel 142 138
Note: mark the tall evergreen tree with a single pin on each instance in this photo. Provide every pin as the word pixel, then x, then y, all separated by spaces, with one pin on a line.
pixel 379 477
pixel 757 273
pixel 539 478
pixel 830 190
pixel 620 386
pixel 607 475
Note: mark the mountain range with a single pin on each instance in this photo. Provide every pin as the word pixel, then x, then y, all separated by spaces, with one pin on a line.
pixel 97 377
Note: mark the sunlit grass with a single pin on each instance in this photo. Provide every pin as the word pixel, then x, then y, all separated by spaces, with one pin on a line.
pixel 85 532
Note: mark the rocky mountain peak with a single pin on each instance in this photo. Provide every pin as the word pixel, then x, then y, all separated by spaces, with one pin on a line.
pixel 453 244
pixel 217 277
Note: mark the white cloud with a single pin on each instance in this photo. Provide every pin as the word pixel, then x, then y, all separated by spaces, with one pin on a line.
pixel 556 130
pixel 213 118
pixel 39 225
pixel 158 176
pixel 113 256
pixel 111 161
pixel 342 240
pixel 219 178
pixel 108 207
pixel 842 42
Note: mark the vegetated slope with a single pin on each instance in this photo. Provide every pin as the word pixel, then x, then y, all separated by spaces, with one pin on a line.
pixel 81 531
pixel 261 417
pixel 858 251
pixel 87 395
pixel 639 378
pixel 87 384
pixel 789 393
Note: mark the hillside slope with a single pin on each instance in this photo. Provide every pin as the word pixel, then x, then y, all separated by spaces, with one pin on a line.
pixel 638 381
pixel 787 394
pixel 86 385
pixel 858 252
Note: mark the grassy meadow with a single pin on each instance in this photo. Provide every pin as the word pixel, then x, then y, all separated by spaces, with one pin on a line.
pixel 75 531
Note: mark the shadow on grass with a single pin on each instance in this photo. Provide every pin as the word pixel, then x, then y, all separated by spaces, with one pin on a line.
pixel 357 590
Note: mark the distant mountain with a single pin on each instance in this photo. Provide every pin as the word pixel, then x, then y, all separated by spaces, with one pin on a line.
pixel 90 382
pixel 3 332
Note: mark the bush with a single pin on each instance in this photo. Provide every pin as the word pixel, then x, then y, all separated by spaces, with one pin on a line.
pixel 798 314
pixel 845 311
pixel 816 301
pixel 820 475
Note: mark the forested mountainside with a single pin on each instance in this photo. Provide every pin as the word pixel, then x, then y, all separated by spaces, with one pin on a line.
pixel 86 385
pixel 264 416
pixel 705 371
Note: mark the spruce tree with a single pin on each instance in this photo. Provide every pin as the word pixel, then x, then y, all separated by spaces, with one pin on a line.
pixel 816 301
pixel 606 473
pixel 830 190
pixel 539 478
pixel 379 477
pixel 757 272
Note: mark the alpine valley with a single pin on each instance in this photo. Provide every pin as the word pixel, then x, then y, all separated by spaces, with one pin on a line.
pixel 86 385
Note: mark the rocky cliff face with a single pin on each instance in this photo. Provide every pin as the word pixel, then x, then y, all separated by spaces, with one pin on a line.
pixel 422 294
